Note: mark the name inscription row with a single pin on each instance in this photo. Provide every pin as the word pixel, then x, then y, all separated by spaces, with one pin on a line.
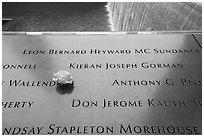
pixel 100 129
pixel 75 103
pixel 145 65
pixel 110 51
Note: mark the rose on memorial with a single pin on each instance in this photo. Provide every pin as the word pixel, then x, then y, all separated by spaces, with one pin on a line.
pixel 63 77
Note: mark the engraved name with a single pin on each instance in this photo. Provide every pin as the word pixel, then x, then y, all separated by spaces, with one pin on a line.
pixel 19 66
pixel 145 65
pixel 166 103
pixel 110 51
pixel 17 104
pixel 136 82
pixel 103 129
pixel 21 83
pixel 106 103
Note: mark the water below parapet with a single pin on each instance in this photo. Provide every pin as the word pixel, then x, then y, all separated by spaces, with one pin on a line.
pixel 155 16
pixel 55 16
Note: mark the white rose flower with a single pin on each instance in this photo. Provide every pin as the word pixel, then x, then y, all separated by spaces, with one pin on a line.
pixel 63 77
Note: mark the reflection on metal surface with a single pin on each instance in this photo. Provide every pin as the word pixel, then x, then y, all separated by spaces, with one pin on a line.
pixel 124 84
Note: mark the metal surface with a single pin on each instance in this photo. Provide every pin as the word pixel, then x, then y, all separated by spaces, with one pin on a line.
pixel 148 92
pixel 198 38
